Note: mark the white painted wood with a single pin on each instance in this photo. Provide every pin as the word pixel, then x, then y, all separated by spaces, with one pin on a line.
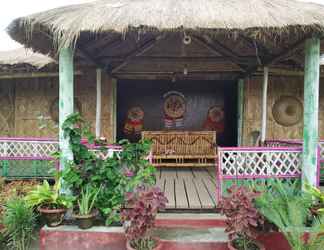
pixel 98 105
pixel 264 103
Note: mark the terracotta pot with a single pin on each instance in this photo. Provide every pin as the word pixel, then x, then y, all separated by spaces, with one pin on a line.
pixel 157 247
pixel 53 217
pixel 85 221
pixel 231 247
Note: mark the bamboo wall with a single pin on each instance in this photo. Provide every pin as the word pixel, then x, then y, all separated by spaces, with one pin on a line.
pixel 278 86
pixel 30 98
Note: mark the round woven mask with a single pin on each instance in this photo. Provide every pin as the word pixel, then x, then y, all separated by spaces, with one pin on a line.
pixel 287 111
pixel 174 106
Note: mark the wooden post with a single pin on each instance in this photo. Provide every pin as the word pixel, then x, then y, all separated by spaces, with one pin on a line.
pixel 311 103
pixel 98 105
pixel 114 109
pixel 264 104
pixel 66 97
pixel 240 111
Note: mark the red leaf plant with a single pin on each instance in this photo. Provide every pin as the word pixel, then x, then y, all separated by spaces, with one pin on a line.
pixel 138 217
pixel 242 218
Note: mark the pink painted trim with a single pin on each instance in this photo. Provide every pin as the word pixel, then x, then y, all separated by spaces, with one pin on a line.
pixel 318 172
pixel 26 158
pixel 31 139
pixel 261 149
pixel 219 179
pixel 234 177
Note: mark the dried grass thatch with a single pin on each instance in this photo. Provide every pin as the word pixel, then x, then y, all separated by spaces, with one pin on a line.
pixel 24 56
pixel 64 25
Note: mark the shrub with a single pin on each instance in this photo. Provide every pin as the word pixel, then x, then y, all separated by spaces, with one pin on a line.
pixel 142 206
pixel 242 217
pixel 19 222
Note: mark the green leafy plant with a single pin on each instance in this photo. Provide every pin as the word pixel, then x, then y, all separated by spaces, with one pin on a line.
pixel 87 200
pixel 318 196
pixel 49 196
pixel 115 175
pixel 19 222
pixel 242 218
pixel 286 206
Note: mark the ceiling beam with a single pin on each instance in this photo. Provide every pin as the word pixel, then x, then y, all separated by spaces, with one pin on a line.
pixel 139 51
pixel 285 53
pixel 219 48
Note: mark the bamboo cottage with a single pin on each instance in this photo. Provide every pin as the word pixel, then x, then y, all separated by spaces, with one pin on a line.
pixel 172 70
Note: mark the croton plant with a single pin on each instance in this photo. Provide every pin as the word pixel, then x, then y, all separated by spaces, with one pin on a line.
pixel 139 215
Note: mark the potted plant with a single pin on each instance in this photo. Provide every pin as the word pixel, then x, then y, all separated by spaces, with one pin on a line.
pixel 50 202
pixel 286 206
pixel 86 212
pixel 242 218
pixel 138 217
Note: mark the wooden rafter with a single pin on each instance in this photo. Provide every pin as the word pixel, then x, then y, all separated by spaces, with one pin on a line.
pixel 139 51
pixel 285 53
pixel 219 48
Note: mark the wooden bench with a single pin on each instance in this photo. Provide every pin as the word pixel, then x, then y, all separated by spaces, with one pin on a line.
pixel 182 148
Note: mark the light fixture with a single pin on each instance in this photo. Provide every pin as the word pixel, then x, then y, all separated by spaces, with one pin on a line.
pixel 186 39
pixel 185 70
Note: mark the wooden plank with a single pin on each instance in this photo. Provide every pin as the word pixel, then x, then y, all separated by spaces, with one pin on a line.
pixel 201 173
pixel 204 196
pixel 161 184
pixel 185 173
pixel 180 194
pixel 211 189
pixel 211 172
pixel 169 193
pixel 193 199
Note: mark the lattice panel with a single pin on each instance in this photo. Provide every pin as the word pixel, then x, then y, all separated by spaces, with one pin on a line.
pixel 27 148
pixel 260 163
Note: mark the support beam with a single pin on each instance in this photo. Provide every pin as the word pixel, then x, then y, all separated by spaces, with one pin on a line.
pixel 264 104
pixel 98 104
pixel 139 51
pixel 311 103
pixel 240 111
pixel 114 109
pixel 66 99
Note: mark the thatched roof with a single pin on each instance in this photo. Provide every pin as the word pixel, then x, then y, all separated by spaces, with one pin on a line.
pixel 113 33
pixel 24 57
pixel 67 23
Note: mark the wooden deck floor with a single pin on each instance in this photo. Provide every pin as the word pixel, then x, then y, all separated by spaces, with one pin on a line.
pixel 188 188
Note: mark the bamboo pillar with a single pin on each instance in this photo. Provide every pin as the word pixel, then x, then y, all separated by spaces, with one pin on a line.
pixel 264 104
pixel 240 111
pixel 311 103
pixel 98 104
pixel 66 97
pixel 114 109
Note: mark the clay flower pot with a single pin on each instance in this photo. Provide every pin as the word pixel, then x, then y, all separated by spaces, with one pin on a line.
pixel 231 247
pixel 157 247
pixel 85 221
pixel 53 217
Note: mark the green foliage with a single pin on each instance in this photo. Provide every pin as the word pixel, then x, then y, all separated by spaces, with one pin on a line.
pixel 318 197
pixel 114 176
pixel 288 208
pixel 87 199
pixel 19 221
pixel 46 196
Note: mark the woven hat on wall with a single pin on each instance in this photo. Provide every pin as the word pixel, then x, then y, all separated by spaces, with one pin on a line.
pixel 287 111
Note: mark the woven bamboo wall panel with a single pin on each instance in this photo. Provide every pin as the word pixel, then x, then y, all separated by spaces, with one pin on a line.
pixel 7 107
pixel 278 86
pixel 34 97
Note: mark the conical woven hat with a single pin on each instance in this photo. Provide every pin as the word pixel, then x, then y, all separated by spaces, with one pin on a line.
pixel 287 111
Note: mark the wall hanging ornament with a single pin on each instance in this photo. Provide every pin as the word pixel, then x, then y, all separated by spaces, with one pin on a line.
pixel 287 111
pixel 134 121
pixel 54 108
pixel 174 109
pixel 215 119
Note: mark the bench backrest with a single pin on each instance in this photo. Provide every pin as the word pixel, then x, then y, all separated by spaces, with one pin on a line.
pixel 182 142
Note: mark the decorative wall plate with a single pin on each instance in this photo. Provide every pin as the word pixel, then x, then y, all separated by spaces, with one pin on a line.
pixel 54 108
pixel 287 111
pixel 174 106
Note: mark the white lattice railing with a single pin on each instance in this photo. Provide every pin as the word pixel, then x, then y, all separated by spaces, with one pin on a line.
pixel 257 163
